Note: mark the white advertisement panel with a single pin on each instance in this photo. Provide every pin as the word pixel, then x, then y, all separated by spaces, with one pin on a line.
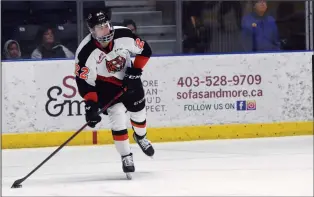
pixel 181 91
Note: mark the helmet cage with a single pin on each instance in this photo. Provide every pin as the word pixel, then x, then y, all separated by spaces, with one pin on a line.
pixel 96 32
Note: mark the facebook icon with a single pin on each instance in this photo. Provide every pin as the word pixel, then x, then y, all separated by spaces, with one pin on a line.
pixel 241 105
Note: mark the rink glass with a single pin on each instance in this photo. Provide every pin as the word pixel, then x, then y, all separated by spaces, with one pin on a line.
pixel 171 27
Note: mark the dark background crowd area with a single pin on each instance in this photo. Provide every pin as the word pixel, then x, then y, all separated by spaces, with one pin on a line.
pixel 49 29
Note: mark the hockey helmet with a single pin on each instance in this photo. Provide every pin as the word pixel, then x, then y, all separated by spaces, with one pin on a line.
pixel 100 26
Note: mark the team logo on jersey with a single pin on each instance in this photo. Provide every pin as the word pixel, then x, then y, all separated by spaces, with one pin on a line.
pixel 116 64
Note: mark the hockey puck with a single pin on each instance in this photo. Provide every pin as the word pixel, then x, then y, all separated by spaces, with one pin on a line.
pixel 16 186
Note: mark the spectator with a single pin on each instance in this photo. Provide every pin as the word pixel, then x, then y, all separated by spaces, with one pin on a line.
pixel 130 24
pixel 259 30
pixel 11 50
pixel 196 35
pixel 48 48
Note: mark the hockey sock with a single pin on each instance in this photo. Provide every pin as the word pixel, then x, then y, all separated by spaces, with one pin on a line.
pixel 139 127
pixel 121 141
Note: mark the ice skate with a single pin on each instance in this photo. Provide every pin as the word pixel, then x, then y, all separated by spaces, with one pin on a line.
pixel 144 144
pixel 128 165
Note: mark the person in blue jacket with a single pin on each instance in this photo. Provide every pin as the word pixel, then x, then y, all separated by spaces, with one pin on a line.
pixel 259 30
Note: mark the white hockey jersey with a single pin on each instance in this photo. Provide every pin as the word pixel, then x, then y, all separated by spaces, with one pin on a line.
pixel 93 62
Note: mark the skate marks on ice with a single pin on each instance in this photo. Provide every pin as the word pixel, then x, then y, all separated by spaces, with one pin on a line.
pixel 76 171
pixel 279 166
pixel 75 185
pixel 101 183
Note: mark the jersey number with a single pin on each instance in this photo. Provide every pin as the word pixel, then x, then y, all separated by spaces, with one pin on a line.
pixel 139 43
pixel 84 72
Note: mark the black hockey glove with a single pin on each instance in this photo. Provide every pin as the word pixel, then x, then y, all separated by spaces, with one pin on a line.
pixel 132 79
pixel 91 109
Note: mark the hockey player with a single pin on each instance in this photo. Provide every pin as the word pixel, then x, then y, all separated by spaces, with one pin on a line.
pixel 103 67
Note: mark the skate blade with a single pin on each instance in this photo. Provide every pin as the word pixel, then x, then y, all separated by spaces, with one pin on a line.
pixel 128 176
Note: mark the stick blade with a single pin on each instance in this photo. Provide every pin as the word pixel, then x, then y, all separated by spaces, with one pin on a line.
pixel 17 183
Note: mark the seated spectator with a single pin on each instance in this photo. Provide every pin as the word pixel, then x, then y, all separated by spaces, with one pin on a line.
pixel 48 48
pixel 11 50
pixel 259 30
pixel 130 24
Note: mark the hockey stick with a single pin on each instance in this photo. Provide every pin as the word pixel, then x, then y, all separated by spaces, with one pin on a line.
pixel 17 183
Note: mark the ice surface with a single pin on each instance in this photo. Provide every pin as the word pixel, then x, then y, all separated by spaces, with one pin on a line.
pixel 265 166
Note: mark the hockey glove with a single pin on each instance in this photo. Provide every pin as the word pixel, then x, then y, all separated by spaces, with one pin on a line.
pixel 91 109
pixel 132 79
